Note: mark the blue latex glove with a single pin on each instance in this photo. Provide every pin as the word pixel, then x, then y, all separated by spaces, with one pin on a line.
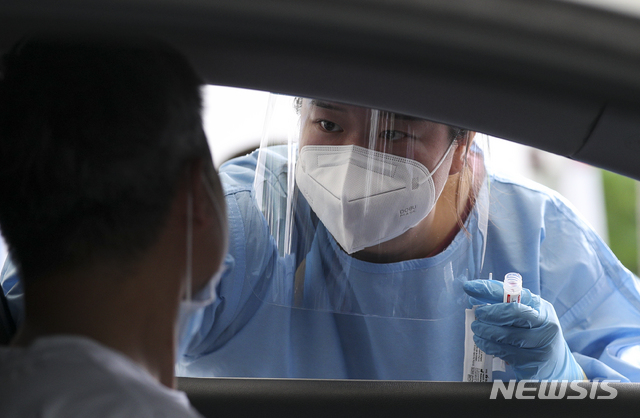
pixel 527 335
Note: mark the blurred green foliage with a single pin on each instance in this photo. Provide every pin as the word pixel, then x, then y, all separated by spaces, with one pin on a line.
pixel 620 202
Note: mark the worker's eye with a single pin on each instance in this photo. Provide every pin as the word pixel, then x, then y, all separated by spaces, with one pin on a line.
pixel 329 126
pixel 393 135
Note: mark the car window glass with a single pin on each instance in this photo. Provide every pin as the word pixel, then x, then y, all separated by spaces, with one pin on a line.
pixel 234 121
pixel 608 201
pixel 238 121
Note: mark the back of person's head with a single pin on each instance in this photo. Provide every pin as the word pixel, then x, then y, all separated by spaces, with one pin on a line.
pixel 95 135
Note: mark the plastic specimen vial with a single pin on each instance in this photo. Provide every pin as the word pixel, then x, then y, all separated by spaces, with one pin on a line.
pixel 512 287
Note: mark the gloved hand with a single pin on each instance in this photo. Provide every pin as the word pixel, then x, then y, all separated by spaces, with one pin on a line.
pixel 527 335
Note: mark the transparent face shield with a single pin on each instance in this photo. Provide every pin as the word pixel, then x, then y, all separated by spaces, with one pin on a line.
pixel 373 213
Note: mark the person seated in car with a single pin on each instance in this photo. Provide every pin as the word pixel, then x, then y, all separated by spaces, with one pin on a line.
pixel 113 215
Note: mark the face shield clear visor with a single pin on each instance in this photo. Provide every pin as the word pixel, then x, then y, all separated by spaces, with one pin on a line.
pixel 373 213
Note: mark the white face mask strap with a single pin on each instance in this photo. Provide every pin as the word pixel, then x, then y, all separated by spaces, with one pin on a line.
pixel 443 157
pixel 189 258
pixel 219 212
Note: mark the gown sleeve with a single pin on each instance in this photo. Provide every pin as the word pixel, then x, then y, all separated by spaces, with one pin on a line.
pixel 598 304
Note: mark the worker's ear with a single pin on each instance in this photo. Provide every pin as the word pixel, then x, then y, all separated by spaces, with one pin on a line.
pixel 464 141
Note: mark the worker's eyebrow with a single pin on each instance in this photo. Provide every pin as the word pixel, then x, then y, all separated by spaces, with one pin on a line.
pixel 327 105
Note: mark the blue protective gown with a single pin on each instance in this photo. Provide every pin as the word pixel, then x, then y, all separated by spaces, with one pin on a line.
pixel 532 230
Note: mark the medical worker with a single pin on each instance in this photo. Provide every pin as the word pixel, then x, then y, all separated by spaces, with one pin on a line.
pixel 359 239
pixel 115 218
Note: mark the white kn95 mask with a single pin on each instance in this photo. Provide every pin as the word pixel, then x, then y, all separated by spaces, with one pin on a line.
pixel 365 197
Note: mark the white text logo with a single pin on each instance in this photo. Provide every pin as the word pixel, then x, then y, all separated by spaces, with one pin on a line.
pixel 533 389
pixel 407 211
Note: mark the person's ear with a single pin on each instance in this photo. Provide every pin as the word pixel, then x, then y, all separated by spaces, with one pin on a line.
pixel 209 208
pixel 460 153
pixel 201 207
pixel 203 216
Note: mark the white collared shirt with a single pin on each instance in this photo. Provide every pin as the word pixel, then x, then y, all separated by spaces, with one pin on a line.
pixel 71 376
